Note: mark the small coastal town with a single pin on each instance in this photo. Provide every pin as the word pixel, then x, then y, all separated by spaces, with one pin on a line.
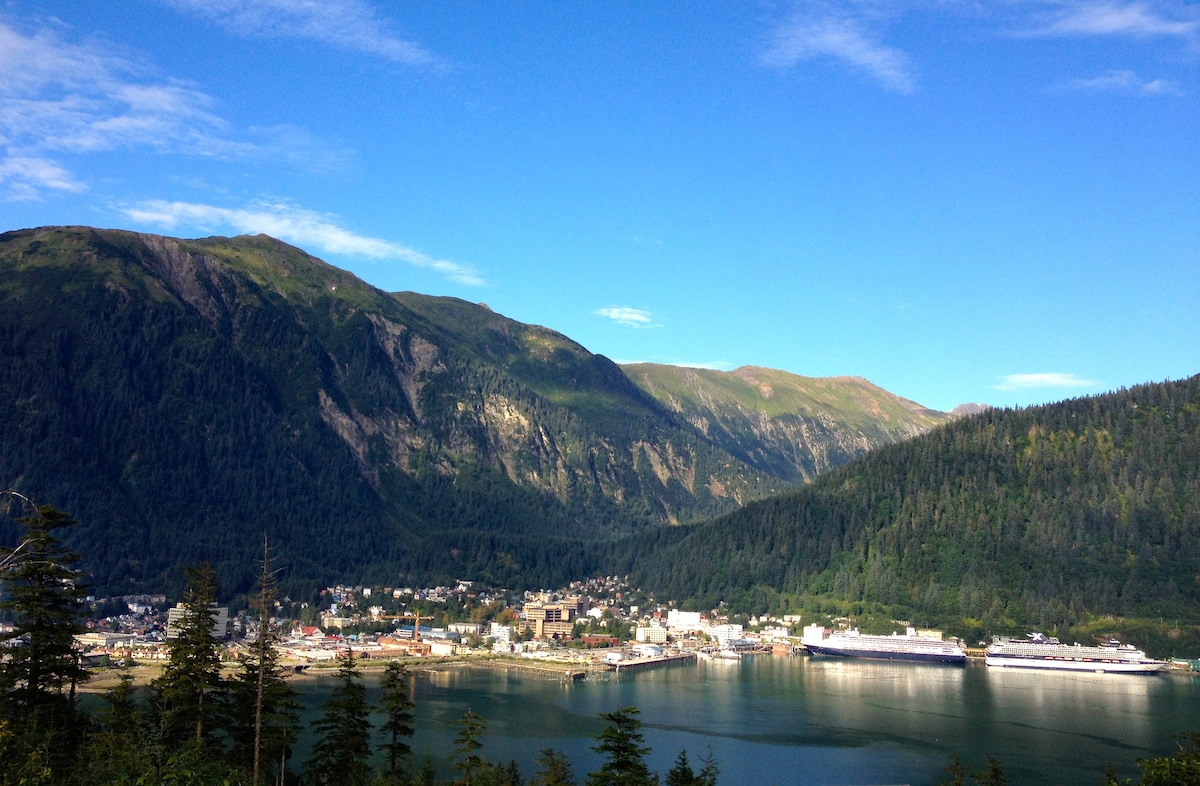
pixel 597 625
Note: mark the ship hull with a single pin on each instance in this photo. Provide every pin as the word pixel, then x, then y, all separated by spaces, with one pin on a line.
pixel 881 654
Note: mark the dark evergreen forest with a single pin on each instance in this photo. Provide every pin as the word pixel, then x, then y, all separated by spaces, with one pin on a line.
pixel 1045 516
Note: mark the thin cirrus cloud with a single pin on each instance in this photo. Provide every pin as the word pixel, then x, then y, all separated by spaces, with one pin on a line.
pixel 60 98
pixel 295 225
pixel 346 24
pixel 1116 19
pixel 26 177
pixel 843 39
pixel 1121 81
pixel 1043 380
pixel 630 317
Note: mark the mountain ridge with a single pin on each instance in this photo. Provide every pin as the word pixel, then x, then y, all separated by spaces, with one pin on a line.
pixel 786 424
pixel 172 393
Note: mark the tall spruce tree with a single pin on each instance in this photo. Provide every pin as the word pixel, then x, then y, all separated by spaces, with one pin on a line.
pixel 554 769
pixel 398 721
pixel 263 708
pixel 342 751
pixel 41 667
pixel 681 774
pixel 189 693
pixel 625 756
pixel 467 745
pixel 43 593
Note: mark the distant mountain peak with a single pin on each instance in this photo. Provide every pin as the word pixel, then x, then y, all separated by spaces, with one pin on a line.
pixel 791 426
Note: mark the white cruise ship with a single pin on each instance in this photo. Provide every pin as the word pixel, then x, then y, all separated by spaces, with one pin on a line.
pixel 909 646
pixel 1036 651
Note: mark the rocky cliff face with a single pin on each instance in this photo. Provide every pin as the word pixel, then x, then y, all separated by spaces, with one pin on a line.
pixel 790 426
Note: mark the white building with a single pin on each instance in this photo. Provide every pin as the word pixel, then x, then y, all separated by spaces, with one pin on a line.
pixel 684 621
pixel 725 634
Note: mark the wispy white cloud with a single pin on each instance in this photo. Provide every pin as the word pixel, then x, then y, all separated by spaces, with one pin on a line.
pixel 59 98
pixel 25 178
pixel 843 38
pixel 79 98
pixel 308 229
pixel 1116 19
pixel 630 317
pixel 346 24
pixel 1044 380
pixel 1122 81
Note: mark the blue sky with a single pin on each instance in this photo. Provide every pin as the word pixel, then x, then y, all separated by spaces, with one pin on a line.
pixel 959 201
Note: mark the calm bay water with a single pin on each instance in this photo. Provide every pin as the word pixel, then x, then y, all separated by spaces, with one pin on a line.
pixel 796 720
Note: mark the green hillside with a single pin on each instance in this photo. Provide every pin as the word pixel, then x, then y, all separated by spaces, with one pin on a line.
pixel 182 398
pixel 790 426
pixel 1050 516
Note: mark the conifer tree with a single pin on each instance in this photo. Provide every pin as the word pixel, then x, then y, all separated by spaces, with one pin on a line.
pixel 710 771
pixel 554 769
pixel 43 592
pixel 621 744
pixel 189 693
pixel 681 774
pixel 467 745
pixel 264 710
pixel 398 716
pixel 343 747
pixel 40 667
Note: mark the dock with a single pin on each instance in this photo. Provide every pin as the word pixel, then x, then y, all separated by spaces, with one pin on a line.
pixel 657 660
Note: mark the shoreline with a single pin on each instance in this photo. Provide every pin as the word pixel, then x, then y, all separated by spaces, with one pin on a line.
pixel 142 675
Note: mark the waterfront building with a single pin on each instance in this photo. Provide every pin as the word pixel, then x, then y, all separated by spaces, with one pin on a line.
pixel 725 635
pixel 651 634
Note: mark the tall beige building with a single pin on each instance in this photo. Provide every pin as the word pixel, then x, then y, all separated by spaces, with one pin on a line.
pixel 554 620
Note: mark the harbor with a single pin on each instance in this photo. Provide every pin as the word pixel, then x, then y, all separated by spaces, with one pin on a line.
pixel 839 720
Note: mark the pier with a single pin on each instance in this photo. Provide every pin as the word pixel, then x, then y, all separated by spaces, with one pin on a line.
pixel 657 660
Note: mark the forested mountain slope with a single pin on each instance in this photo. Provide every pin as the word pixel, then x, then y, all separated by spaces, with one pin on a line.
pixel 184 398
pixel 790 426
pixel 1009 517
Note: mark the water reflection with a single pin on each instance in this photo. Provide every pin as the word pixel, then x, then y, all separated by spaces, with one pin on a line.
pixel 779 719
